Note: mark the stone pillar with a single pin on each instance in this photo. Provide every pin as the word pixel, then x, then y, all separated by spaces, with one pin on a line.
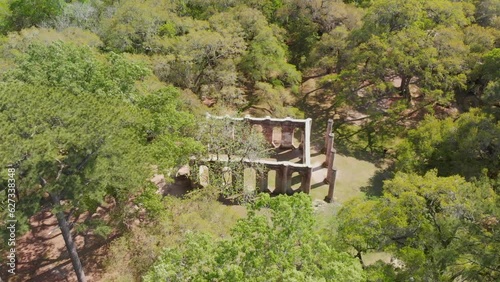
pixel 287 135
pixel 307 142
pixel 278 182
pixel 305 185
pixel 329 127
pixel 332 156
pixel 329 150
pixel 283 180
pixel 287 180
pixel 203 175
pixel 262 180
pixel 227 176
pixel 267 131
pixel 331 172
pixel 331 186
pixel 249 184
pixel 330 167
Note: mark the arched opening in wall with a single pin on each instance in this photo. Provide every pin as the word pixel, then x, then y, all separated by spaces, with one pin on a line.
pixel 226 177
pixel 257 128
pixel 249 180
pixel 287 135
pixel 203 175
pixel 296 154
pixel 296 181
pixel 276 136
pixel 229 129
pixel 271 181
pixel 297 138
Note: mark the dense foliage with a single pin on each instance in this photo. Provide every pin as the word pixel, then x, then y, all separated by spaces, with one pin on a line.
pixel 97 96
pixel 434 225
pixel 275 242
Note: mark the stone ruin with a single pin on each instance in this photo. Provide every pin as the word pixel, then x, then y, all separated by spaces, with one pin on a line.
pixel 280 134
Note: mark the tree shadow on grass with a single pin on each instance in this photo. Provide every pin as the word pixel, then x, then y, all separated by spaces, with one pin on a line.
pixel 377 156
pixel 314 108
pixel 375 187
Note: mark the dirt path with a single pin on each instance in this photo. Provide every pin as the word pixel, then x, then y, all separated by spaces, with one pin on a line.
pixel 42 254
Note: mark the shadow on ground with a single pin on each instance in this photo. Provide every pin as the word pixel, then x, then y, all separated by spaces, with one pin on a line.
pixel 376 182
pixel 317 106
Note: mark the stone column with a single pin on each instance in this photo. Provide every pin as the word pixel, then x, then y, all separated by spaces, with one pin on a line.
pixel 305 185
pixel 287 180
pixel 287 135
pixel 329 127
pixel 267 131
pixel 330 166
pixel 331 186
pixel 227 176
pixel 262 181
pixel 329 149
pixel 203 176
pixel 249 177
pixel 307 142
pixel 283 180
pixel 278 181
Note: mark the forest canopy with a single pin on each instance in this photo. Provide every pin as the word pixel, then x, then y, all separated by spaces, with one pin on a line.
pixel 99 96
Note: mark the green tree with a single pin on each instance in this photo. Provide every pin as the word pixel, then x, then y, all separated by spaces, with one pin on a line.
pixel 231 147
pixel 27 13
pixel 416 42
pixel 72 149
pixel 430 223
pixel 75 142
pixel 302 33
pixel 17 43
pixel 275 242
pixel 425 53
pixel 487 13
pixel 167 128
pixel 4 15
pixel 77 70
pixel 272 81
pixel 204 9
pixel 360 228
pixel 235 57
pixel 486 77
pixel 481 243
pixel 133 24
pixel 203 58
pixel 466 146
pixel 331 53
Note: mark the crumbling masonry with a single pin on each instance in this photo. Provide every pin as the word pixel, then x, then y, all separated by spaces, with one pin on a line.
pixel 284 169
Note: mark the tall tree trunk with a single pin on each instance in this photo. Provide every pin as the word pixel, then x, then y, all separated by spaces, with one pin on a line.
pixel 68 239
pixel 404 89
pixel 358 255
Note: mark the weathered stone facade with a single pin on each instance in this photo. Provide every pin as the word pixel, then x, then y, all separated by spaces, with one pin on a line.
pixel 287 128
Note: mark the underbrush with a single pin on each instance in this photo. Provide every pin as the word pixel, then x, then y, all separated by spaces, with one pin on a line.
pixel 133 253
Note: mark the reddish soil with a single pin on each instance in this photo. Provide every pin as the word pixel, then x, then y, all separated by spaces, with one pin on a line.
pixel 42 254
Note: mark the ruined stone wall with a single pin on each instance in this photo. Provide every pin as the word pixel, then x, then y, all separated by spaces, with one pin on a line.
pixel 284 169
pixel 287 127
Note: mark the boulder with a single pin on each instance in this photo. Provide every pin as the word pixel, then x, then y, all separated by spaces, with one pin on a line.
pixel 160 182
